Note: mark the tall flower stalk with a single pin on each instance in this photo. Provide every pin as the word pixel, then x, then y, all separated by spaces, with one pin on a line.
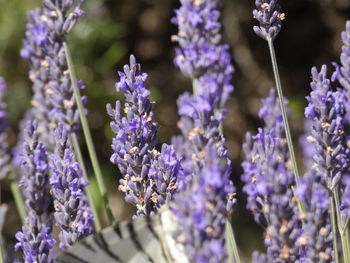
pixel 270 17
pixel 54 100
pixel 202 210
pixel 268 180
pixel 202 58
pixel 72 212
pixel 35 239
pixel 149 177
pixel 326 110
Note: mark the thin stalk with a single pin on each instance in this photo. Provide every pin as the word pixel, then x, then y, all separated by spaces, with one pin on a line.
pixel 80 159
pixel 195 87
pixel 283 109
pixel 17 196
pixel 334 229
pixel 1 250
pixel 231 244
pixel 344 243
pixel 87 134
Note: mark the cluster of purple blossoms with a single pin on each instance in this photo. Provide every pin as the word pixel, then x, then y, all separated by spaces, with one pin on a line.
pixel 202 211
pixel 269 16
pixel 72 212
pixel 35 240
pixel 149 177
pixel 316 238
pixel 201 57
pixel 327 111
pixel 4 146
pixel 53 98
pixel 207 62
pixel 54 108
pixel 268 179
pixel 342 73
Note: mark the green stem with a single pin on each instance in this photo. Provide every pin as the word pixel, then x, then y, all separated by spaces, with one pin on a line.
pixel 283 109
pixel 231 244
pixel 1 250
pixel 80 159
pixel 17 196
pixel 334 229
pixel 343 234
pixel 87 134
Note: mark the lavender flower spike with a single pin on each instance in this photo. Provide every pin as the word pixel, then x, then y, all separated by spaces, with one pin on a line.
pixel 203 58
pixel 133 146
pixel 43 47
pixel 268 184
pixel 269 16
pixel 35 240
pixel 316 238
pixel 201 210
pixel 342 72
pixel 327 111
pixel 4 146
pixel 72 212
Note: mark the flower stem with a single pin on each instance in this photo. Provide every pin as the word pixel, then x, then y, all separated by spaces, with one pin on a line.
pixel 88 138
pixel 80 159
pixel 334 229
pixel 231 244
pixel 343 234
pixel 17 196
pixel 283 109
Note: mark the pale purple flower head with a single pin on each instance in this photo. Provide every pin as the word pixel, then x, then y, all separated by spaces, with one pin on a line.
pixel 268 182
pixel 201 209
pixel 268 14
pixel 342 72
pixel 326 110
pixel 316 237
pixel 72 212
pixel 35 239
pixel 53 99
pixel 149 177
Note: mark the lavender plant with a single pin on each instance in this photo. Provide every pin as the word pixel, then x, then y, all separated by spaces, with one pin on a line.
pixel 72 212
pixel 149 177
pixel 202 210
pixel 54 98
pixel 35 239
pixel 268 180
pixel 327 112
pixel 269 16
pixel 302 217
pixel 316 238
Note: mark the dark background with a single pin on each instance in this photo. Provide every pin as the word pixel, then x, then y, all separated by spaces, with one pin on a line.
pixel 112 29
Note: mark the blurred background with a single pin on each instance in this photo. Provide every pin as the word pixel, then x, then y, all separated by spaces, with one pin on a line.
pixel 112 29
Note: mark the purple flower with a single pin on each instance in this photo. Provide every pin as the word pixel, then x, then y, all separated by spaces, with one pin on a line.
pixel 35 50
pixel 268 14
pixel 342 73
pixel 327 112
pixel 4 146
pixel 149 177
pixel 316 238
pixel 72 212
pixel 35 239
pixel 259 257
pixel 53 98
pixel 268 180
pixel 202 209
pixel 201 57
